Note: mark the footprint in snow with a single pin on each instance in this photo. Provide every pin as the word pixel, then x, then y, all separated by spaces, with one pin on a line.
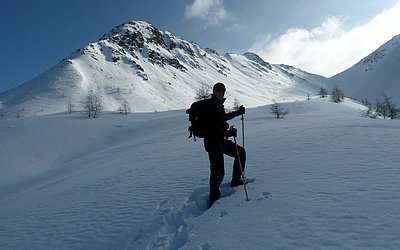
pixel 206 246
pixel 223 213
pixel 264 195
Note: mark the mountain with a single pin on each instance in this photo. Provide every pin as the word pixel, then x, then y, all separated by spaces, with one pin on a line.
pixel 154 70
pixel 374 75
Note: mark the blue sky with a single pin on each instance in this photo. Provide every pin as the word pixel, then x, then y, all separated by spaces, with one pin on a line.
pixel 319 36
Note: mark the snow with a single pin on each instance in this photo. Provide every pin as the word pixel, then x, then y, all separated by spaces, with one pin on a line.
pixel 153 70
pixel 150 76
pixel 325 178
pixel 375 75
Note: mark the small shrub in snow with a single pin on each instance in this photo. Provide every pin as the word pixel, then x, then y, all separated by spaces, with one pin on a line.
pixel 277 110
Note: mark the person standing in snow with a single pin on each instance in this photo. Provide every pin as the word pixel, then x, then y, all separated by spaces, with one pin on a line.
pixel 216 142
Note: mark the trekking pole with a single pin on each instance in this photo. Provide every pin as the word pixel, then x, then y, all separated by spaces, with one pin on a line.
pixel 242 129
pixel 241 169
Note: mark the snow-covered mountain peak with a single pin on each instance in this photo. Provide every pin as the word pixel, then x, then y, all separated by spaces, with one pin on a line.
pixel 154 70
pixel 374 75
pixel 131 27
pixel 256 58
pixel 136 34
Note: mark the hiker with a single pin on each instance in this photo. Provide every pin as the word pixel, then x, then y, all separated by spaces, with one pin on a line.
pixel 216 132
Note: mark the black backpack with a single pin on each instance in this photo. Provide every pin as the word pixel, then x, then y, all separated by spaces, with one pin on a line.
pixel 196 114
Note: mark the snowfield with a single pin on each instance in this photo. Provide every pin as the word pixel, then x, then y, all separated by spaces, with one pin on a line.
pixel 325 178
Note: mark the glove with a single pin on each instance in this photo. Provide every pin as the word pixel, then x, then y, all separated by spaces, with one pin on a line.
pixel 241 110
pixel 231 132
pixel 226 126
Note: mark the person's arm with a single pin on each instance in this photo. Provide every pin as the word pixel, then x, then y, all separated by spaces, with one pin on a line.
pixel 233 114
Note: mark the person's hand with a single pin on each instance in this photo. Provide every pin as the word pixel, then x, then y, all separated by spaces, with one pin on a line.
pixel 231 132
pixel 241 110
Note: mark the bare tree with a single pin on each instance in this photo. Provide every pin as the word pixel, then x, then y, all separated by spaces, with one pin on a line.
pixel 278 111
pixel 93 104
pixel 337 94
pixel 89 103
pixel 70 106
pixel 322 92
pixel 97 104
pixel 125 109
pixel 380 108
pixel 389 106
pixel 203 93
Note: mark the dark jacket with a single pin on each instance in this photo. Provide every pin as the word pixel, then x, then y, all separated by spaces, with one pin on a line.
pixel 216 119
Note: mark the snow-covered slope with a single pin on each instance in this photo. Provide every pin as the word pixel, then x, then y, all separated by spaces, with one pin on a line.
pixel 374 75
pixel 154 71
pixel 325 178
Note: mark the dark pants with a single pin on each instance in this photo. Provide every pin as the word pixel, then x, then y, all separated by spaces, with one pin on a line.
pixel 216 151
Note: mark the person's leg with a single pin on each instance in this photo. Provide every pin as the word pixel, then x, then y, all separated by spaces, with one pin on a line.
pixel 217 171
pixel 230 150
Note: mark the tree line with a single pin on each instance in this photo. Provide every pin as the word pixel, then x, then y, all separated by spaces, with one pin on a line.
pixel 384 108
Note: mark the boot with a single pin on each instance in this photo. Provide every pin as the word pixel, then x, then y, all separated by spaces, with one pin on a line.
pixel 237 182
pixel 213 197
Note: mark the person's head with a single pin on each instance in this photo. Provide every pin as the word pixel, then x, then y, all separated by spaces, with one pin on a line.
pixel 219 90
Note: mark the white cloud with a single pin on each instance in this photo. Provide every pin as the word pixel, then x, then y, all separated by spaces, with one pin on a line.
pixel 211 12
pixel 329 49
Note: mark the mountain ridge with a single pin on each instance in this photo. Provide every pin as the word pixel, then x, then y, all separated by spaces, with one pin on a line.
pixel 154 70
pixel 376 74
